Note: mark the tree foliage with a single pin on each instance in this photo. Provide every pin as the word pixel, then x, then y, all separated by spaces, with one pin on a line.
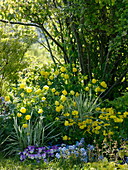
pixel 14 42
pixel 91 34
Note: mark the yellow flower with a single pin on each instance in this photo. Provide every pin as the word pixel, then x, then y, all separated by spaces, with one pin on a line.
pixel 57 93
pixel 7 98
pixel 97 89
pixel 56 72
pixel 43 98
pixel 85 77
pixel 42 73
pixel 22 94
pixel 82 126
pixel 77 94
pixel 103 84
pixel 97 109
pixel 25 125
pixel 61 106
pixel 53 90
pixel 58 109
pixel 51 77
pixel 57 103
pixel 64 92
pixel 23 110
pixel 75 112
pixel 65 137
pixel 27 117
pixel 74 69
pixel 49 83
pixel 94 81
pixel 66 76
pixel 46 87
pixel 63 98
pixel 29 89
pixel 74 103
pixel 110 133
pixel 57 118
pixel 38 91
pixel 19 114
pixel 119 120
pixel 66 114
pixel 40 111
pixel 22 86
pixel 89 85
pixel 86 88
pixel 62 69
pixel 66 123
pixel 72 92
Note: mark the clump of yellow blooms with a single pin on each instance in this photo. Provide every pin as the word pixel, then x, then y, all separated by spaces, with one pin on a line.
pixel 74 70
pixel 19 114
pixel 22 86
pixel 23 110
pixel 62 69
pixel 28 117
pixel 64 92
pixel 28 89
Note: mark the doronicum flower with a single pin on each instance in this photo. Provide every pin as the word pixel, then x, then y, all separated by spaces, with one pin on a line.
pixel 49 83
pixel 64 92
pixel 74 112
pixel 62 69
pixel 53 90
pixel 66 123
pixel 28 117
pixel 56 72
pixel 51 77
pixel 46 87
pixel 38 91
pixel 19 114
pixel 74 70
pixel 103 84
pixel 97 89
pixel 63 98
pixel 86 88
pixel 28 89
pixel 7 98
pixel 40 111
pixel 57 103
pixel 66 76
pixel 23 110
pixel 65 137
pixel 72 92
pixel 25 125
pixel 94 81
pixel 58 109
pixel 22 86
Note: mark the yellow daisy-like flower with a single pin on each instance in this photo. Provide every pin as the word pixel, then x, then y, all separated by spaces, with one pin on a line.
pixel 86 88
pixel 74 70
pixel 72 92
pixel 56 72
pixel 57 93
pixel 23 110
pixel 64 92
pixel 40 111
pixel 58 109
pixel 25 125
pixel 77 94
pixel 89 85
pixel 53 90
pixel 57 103
pixel 57 118
pixel 74 112
pixel 85 77
pixel 28 117
pixel 62 69
pixel 49 83
pixel 28 89
pixel 22 86
pixel 66 114
pixel 38 91
pixel 97 89
pixel 103 84
pixel 7 98
pixel 94 81
pixel 63 98
pixel 65 137
pixel 46 87
pixel 66 123
pixel 43 98
pixel 51 77
pixel 61 106
pixel 19 114
pixel 66 76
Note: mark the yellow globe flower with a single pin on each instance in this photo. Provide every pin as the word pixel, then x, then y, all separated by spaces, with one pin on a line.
pixel 19 114
pixel 86 88
pixel 57 103
pixel 23 110
pixel 103 84
pixel 97 89
pixel 29 89
pixel 28 117
pixel 66 76
pixel 65 137
pixel 94 81
pixel 25 125
pixel 22 86
pixel 62 69
pixel 56 72
pixel 64 92
pixel 72 92
pixel 53 90
pixel 66 114
pixel 46 87
pixel 57 93
pixel 61 106
pixel 74 112
pixel 40 111
pixel 7 98
pixel 74 70
pixel 58 109
pixel 51 77
pixel 43 98
pixel 38 91
pixel 22 94
pixel 66 123
pixel 49 83
pixel 63 98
